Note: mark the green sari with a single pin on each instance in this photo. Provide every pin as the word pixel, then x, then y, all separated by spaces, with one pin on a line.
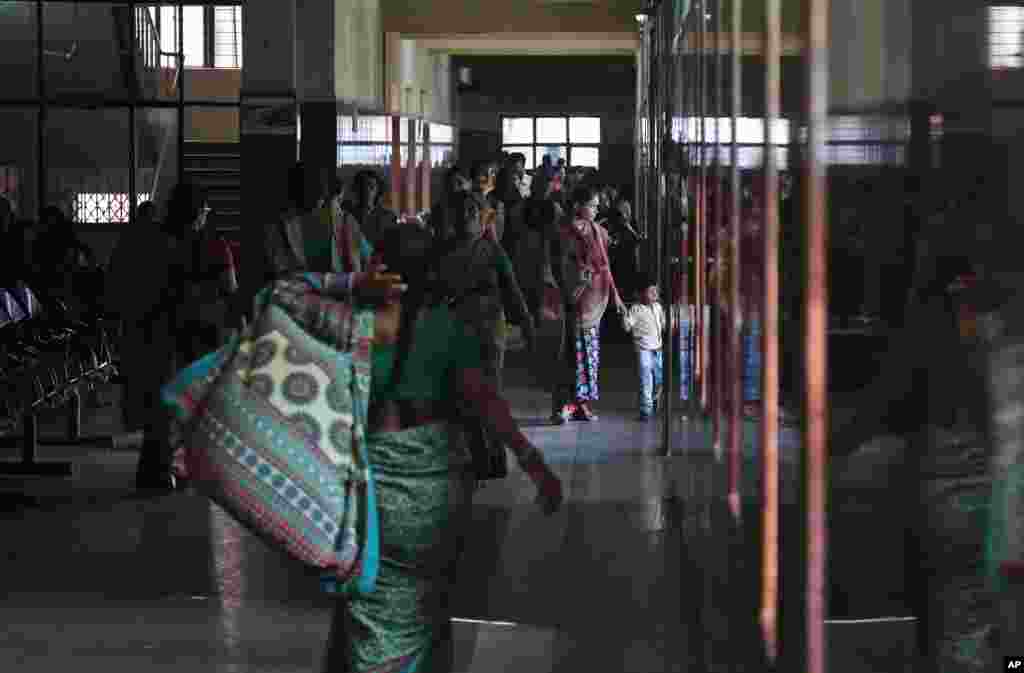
pixel 423 487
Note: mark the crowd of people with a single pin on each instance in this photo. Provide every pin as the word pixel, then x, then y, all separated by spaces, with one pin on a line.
pixel 547 252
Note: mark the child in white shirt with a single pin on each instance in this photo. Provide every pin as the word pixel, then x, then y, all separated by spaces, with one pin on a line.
pixel 645 321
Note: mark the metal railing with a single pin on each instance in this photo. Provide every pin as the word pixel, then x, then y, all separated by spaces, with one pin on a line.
pixel 684 60
pixel 157 64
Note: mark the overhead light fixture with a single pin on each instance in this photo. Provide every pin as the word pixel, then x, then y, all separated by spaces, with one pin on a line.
pixel 647 10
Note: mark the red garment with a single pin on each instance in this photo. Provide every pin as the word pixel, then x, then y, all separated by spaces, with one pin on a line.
pixel 587 251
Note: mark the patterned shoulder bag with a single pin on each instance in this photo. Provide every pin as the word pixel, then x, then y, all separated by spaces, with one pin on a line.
pixel 273 428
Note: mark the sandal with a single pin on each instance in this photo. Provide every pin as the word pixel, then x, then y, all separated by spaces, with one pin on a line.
pixel 584 413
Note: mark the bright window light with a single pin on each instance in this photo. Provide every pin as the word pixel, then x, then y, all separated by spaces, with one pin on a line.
pixel 585 130
pixel 551 130
pixel 586 156
pixel 574 139
pixel 1005 39
pixel 103 208
pixel 441 133
pixel 517 129
pixel 227 37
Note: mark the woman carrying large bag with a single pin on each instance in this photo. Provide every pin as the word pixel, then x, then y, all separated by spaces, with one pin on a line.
pixel 403 476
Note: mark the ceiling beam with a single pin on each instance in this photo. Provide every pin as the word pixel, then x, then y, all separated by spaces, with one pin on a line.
pixel 751 44
pixel 555 44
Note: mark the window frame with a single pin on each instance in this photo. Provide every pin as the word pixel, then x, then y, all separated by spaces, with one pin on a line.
pixel 209 31
pixel 404 141
pixel 568 144
pixel 1000 62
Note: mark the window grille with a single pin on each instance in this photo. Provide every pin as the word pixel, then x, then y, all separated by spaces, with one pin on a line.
pixel 577 140
pixel 225 34
pixel 227 37
pixel 92 208
pixel 194 34
pixel 1005 39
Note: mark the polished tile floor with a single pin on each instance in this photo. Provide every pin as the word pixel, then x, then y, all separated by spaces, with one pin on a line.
pixel 643 571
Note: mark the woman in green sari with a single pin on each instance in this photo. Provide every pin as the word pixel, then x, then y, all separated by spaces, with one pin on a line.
pixel 424 359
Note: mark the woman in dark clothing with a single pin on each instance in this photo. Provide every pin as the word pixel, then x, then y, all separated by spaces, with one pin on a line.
pixel 542 214
pixel 366 206
pixel 442 219
pixel 202 310
pixel 145 288
pixel 625 241
pixel 60 262
pixel 13 268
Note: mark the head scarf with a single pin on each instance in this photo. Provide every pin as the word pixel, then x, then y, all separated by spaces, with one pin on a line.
pixel 591 253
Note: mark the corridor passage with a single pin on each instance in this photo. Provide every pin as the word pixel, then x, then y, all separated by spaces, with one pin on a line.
pixel 643 571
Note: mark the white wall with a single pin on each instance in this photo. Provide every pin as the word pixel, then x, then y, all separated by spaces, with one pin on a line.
pixel 359 52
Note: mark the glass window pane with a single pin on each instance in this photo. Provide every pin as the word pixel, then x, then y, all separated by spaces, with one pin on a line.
pixel 18 60
pixel 1005 36
pixel 441 133
pixel 585 156
pixel 584 129
pixel 556 152
pixel 551 130
pixel 368 129
pixel 517 130
pixel 195 37
pixel 103 208
pixel 80 53
pixel 442 156
pixel 525 150
pixel 364 155
pixel 168 28
pixel 95 164
pixel 227 37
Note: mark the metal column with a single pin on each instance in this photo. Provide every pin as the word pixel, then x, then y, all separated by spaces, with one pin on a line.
pixel 815 342
pixel 132 133
pixel 41 195
pixel 716 369
pixel 668 226
pixel 181 91
pixel 735 331
pixel 700 253
pixel 770 336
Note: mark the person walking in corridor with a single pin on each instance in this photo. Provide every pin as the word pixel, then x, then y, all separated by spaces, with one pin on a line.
pixel 587 287
pixel 423 358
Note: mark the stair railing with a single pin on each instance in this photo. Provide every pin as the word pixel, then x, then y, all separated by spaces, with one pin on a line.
pixel 156 60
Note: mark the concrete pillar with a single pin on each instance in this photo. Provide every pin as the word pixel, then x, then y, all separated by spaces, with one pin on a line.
pixel 394 201
pixel 316 75
pixel 269 142
pixel 425 163
pixel 318 147
pixel 869 56
pixel 409 200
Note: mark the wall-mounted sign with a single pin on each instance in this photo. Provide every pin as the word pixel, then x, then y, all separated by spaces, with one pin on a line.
pixel 263 116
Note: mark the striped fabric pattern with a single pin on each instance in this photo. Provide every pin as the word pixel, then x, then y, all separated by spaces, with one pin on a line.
pixel 274 427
